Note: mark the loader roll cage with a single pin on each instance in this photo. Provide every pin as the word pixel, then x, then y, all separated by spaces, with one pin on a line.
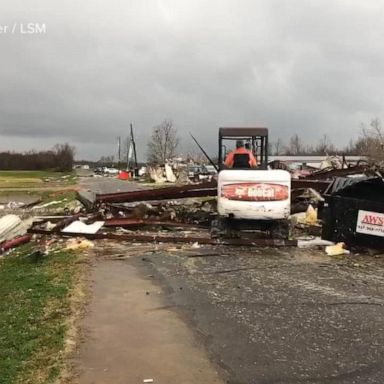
pixel 256 137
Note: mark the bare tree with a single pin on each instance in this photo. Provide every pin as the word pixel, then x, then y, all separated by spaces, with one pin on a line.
pixel 295 146
pixel 350 148
pixel 377 130
pixel 324 146
pixel 163 143
pixel 65 155
pixel 371 142
pixel 278 146
pixel 106 159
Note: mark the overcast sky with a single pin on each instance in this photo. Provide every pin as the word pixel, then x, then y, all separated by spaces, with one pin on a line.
pixel 297 66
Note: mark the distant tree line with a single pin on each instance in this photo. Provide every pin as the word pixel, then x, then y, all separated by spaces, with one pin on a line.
pixel 370 143
pixel 164 141
pixel 60 159
pixel 295 146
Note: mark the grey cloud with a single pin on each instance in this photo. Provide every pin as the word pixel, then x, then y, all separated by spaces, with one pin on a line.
pixel 310 67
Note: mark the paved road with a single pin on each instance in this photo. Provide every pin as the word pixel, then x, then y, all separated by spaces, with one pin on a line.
pixel 103 184
pixel 274 316
pixel 282 316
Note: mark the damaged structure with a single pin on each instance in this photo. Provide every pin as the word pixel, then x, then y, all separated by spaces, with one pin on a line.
pixel 340 203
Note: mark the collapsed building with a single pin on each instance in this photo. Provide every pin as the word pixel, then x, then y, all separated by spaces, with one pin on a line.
pixel 337 201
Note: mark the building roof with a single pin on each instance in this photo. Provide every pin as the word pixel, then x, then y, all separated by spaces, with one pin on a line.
pixel 240 132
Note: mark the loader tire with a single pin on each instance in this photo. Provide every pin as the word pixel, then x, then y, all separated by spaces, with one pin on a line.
pixel 221 228
pixel 280 230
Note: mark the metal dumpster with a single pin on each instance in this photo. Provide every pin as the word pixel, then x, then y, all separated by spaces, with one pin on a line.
pixel 354 212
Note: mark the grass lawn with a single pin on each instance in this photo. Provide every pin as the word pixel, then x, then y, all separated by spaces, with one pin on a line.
pixel 35 306
pixel 33 174
pixel 30 179
pixel 63 196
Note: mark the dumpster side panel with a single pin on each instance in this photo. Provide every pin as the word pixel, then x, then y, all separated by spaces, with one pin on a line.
pixel 340 221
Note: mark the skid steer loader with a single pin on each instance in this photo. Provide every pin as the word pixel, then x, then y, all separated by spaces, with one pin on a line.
pixel 250 198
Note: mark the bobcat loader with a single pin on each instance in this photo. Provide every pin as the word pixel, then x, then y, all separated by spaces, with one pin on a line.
pixel 250 199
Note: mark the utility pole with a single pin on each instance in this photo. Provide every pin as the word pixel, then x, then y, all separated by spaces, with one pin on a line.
pixel 119 151
pixel 136 170
pixel 129 147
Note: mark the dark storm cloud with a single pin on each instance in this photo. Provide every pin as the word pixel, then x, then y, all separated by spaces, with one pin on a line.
pixel 310 67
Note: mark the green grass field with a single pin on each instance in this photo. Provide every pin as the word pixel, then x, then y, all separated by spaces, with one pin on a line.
pixel 32 174
pixel 35 179
pixel 34 309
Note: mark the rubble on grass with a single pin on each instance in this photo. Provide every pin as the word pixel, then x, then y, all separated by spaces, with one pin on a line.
pixel 183 214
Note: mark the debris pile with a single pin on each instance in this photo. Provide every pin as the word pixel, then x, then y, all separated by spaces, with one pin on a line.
pixel 302 198
pixel 175 215
pixel 348 211
pixel 13 232
pixel 12 226
pixel 181 173
pixel 328 168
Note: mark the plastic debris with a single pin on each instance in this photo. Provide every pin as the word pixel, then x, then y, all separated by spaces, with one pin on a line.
pixel 308 218
pixel 156 174
pixel 55 202
pixel 311 216
pixel 49 226
pixel 80 227
pixel 336 250
pixel 15 204
pixel 333 162
pixel 170 176
pixel 75 244
pixel 316 242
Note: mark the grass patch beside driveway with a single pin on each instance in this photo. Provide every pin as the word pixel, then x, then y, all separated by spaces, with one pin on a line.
pixel 35 306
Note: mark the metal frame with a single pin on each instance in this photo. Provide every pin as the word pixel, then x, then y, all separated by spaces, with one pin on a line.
pixel 258 137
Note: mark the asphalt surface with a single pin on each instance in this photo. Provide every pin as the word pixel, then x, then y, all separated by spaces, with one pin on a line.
pixel 281 316
pixel 275 316
pixel 105 184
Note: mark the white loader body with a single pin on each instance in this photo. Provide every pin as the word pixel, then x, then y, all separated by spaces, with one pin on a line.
pixel 254 194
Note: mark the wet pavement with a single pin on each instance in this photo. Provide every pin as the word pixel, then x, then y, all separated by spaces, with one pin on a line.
pixel 274 316
pixel 281 316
